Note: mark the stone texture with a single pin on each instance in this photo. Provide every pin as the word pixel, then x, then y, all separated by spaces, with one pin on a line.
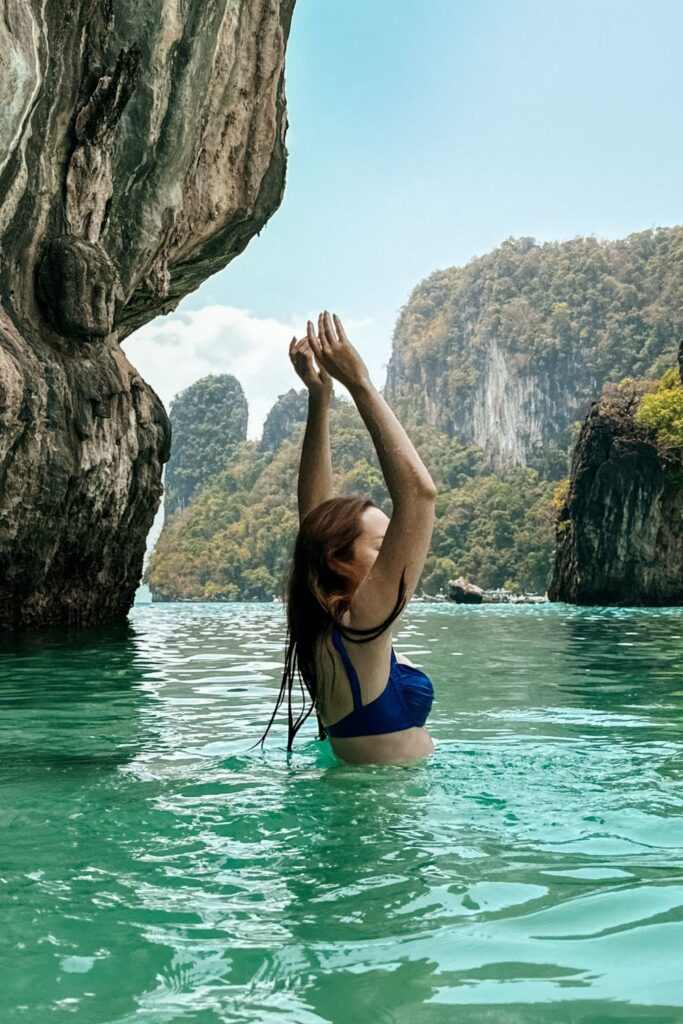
pixel 516 416
pixel 463 592
pixel 141 148
pixel 620 532
pixel 289 410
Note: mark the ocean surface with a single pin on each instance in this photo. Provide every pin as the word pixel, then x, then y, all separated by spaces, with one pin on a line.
pixel 153 868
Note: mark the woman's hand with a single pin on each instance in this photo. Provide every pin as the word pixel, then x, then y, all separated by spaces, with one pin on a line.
pixel 335 353
pixel 316 378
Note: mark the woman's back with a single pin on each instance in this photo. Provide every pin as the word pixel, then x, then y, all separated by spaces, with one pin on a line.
pixel 373 702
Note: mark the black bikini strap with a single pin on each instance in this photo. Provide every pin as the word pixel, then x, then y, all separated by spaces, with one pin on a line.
pixel 350 670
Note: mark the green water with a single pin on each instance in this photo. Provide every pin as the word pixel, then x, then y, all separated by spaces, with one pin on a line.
pixel 152 869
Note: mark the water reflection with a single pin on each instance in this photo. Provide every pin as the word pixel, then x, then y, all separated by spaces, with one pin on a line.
pixel 70 700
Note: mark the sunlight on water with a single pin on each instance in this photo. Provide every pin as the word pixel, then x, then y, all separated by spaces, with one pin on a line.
pixel 154 868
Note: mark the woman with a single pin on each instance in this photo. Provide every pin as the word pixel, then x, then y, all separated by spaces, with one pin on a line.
pixel 353 571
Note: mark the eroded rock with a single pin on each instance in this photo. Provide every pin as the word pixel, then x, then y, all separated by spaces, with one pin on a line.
pixel 620 532
pixel 78 287
pixel 141 148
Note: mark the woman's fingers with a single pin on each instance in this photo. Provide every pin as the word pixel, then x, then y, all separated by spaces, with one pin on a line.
pixel 340 329
pixel 322 332
pixel 298 346
pixel 314 342
pixel 321 329
pixel 310 333
pixel 301 357
pixel 312 350
pixel 329 329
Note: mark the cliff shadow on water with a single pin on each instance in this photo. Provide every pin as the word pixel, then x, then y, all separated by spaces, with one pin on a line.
pixel 72 701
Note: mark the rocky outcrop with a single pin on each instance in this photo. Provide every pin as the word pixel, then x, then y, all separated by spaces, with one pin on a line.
pixel 463 592
pixel 620 532
pixel 141 147
pixel 209 420
pixel 509 351
pixel 290 409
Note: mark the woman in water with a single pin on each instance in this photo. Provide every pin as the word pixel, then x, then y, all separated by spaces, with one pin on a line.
pixel 353 571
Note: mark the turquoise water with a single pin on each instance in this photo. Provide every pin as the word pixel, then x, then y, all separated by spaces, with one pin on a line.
pixel 152 869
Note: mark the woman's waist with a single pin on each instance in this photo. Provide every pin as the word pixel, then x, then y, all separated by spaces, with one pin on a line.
pixel 384 748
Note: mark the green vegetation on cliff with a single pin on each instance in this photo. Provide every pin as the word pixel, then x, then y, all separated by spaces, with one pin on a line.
pixel 235 540
pixel 494 368
pixel 662 409
pixel 290 409
pixel 208 420
pixel 510 350
pixel 619 537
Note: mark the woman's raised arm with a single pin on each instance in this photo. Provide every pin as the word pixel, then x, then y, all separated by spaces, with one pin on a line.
pixel 315 468
pixel 413 494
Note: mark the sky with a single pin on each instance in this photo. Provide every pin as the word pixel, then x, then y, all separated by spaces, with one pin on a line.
pixel 422 133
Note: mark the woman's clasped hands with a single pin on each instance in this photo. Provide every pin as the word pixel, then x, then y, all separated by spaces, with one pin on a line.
pixel 317 358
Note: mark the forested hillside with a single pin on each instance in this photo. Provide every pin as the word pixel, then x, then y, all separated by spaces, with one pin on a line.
pixel 233 542
pixel 510 350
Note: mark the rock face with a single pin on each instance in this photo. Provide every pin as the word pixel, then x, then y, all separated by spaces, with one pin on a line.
pixel 463 592
pixel 620 532
pixel 141 147
pixel 290 409
pixel 209 420
pixel 509 351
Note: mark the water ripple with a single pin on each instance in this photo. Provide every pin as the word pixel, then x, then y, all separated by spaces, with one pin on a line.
pixel 157 867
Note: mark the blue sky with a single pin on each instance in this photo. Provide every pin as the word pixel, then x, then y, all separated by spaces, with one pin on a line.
pixel 421 134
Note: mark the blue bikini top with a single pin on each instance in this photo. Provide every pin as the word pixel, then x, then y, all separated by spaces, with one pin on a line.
pixel 404 702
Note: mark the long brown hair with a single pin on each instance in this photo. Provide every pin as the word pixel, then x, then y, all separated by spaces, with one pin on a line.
pixel 317 596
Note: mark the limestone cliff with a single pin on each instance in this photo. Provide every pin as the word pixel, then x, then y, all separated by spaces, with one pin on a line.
pixel 509 351
pixel 290 409
pixel 620 532
pixel 141 147
pixel 209 420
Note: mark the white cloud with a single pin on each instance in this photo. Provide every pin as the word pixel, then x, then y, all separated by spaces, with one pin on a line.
pixel 174 351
